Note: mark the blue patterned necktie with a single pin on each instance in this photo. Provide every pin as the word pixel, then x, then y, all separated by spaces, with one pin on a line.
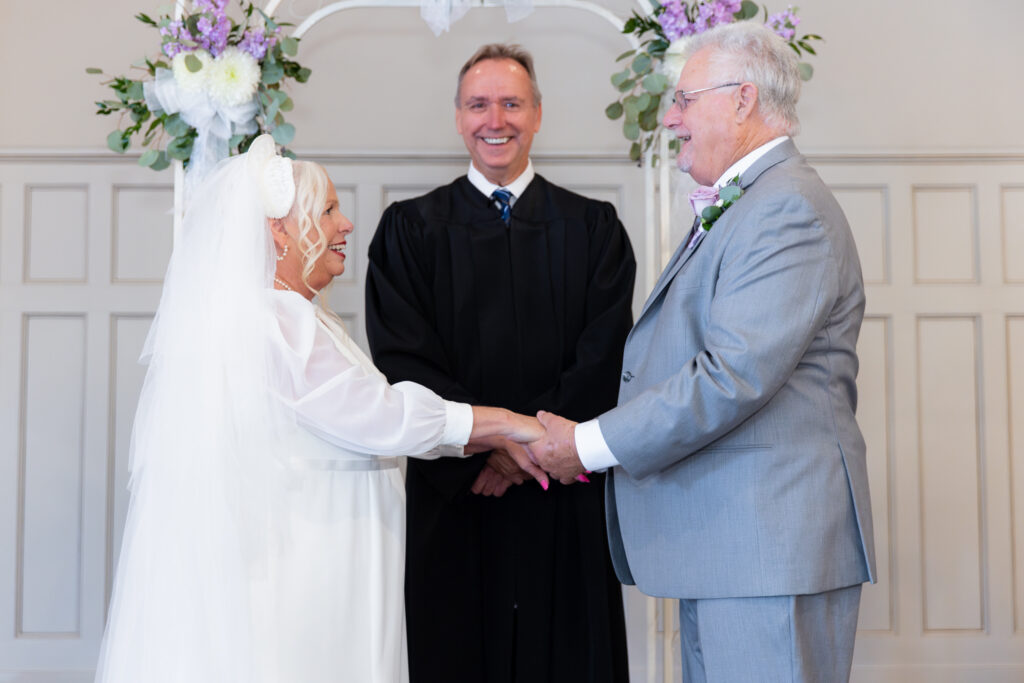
pixel 503 198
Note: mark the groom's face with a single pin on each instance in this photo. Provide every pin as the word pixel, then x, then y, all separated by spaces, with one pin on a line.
pixel 497 118
pixel 705 126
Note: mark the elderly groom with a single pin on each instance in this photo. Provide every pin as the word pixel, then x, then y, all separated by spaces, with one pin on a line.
pixel 738 480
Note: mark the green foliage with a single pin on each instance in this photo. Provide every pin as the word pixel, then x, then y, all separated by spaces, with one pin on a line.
pixel 642 85
pixel 164 136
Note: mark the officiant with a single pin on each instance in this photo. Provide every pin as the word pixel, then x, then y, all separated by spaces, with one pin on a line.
pixel 505 581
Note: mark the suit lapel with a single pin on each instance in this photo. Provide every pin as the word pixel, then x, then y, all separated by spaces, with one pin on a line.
pixel 776 155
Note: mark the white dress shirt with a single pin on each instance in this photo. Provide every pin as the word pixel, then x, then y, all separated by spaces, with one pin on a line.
pixel 590 443
pixel 516 187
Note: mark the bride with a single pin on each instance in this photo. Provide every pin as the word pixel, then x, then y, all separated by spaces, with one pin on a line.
pixel 265 535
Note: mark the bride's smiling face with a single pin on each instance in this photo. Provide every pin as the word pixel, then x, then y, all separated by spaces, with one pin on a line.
pixel 335 227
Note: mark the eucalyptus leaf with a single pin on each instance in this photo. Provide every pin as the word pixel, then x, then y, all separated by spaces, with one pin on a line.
pixel 272 72
pixel 643 101
pixel 730 193
pixel 614 110
pixel 93 70
pixel 283 134
pixel 271 111
pixel 175 126
pixel 631 130
pixel 807 48
pixel 162 162
pixel 287 105
pixel 117 142
pixel 180 148
pixel 632 113
pixel 303 75
pixel 627 84
pixel 290 46
pixel 634 151
pixel 655 83
pixel 235 140
pixel 149 157
pixel 641 63
pixel 806 71
pixel 619 77
pixel 711 213
pixel 192 63
pixel 135 91
pixel 748 10
pixel 628 53
pixel 649 120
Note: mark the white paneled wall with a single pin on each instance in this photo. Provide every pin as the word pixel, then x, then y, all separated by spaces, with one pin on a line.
pixel 84 241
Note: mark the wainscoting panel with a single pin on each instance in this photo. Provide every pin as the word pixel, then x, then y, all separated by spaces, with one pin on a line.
pixel 50 489
pixel 84 241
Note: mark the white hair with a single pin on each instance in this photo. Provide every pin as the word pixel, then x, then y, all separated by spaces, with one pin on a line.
pixel 746 51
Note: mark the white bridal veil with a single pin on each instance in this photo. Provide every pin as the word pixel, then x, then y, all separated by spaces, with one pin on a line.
pixel 203 459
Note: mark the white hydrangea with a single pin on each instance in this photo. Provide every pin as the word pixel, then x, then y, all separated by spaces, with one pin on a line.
pixel 672 67
pixel 233 78
pixel 673 63
pixel 187 80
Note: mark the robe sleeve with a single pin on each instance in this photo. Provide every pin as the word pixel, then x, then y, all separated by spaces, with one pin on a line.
pixel 589 385
pixel 400 327
pixel 353 406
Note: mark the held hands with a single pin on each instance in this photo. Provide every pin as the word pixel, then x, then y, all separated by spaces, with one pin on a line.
pixel 556 450
pixel 505 431
pixel 523 446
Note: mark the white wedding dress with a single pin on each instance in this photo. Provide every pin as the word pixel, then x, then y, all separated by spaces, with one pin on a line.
pixel 312 591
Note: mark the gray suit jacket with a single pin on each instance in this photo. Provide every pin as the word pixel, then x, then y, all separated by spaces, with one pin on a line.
pixel 742 467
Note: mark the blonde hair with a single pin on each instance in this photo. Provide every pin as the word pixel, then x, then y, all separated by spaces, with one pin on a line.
pixel 311 187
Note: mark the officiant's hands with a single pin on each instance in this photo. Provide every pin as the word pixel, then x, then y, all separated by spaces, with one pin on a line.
pixel 500 473
pixel 556 450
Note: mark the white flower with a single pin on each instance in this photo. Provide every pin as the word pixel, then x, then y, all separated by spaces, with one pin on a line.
pixel 672 65
pixel 187 80
pixel 233 78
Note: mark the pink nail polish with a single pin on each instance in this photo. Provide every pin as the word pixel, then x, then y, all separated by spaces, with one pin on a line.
pixel 582 478
pixel 544 484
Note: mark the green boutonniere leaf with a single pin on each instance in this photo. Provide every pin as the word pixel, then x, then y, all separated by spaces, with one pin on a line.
pixel 730 193
pixel 711 213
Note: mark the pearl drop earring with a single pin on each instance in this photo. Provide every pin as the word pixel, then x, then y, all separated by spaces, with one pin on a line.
pixel 284 252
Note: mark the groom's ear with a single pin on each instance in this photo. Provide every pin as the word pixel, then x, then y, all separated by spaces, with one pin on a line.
pixel 745 101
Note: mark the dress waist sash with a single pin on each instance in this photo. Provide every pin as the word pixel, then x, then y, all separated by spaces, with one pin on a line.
pixel 341 465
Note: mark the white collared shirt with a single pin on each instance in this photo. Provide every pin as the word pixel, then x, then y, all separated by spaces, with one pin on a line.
pixel 516 187
pixel 590 444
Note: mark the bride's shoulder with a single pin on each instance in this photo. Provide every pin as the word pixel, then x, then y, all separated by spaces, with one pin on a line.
pixel 293 322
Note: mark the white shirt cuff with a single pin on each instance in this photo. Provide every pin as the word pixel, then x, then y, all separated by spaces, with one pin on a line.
pixel 592 448
pixel 458 423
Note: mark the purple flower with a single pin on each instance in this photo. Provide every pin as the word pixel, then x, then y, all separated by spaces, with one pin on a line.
pixel 675 21
pixel 171 49
pixel 219 35
pixel 784 23
pixel 255 43
pixel 204 25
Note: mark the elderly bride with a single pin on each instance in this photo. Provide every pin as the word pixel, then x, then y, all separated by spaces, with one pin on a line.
pixel 266 531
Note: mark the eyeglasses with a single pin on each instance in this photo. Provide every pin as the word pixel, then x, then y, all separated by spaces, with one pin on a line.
pixel 679 99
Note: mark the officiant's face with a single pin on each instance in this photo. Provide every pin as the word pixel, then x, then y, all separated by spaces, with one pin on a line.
pixel 497 118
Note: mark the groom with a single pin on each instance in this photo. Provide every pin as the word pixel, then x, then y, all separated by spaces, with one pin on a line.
pixel 738 481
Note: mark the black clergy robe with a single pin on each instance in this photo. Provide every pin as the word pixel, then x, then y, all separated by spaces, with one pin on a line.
pixel 528 316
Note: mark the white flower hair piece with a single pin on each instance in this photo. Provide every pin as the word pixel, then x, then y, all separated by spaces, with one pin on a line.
pixel 273 176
